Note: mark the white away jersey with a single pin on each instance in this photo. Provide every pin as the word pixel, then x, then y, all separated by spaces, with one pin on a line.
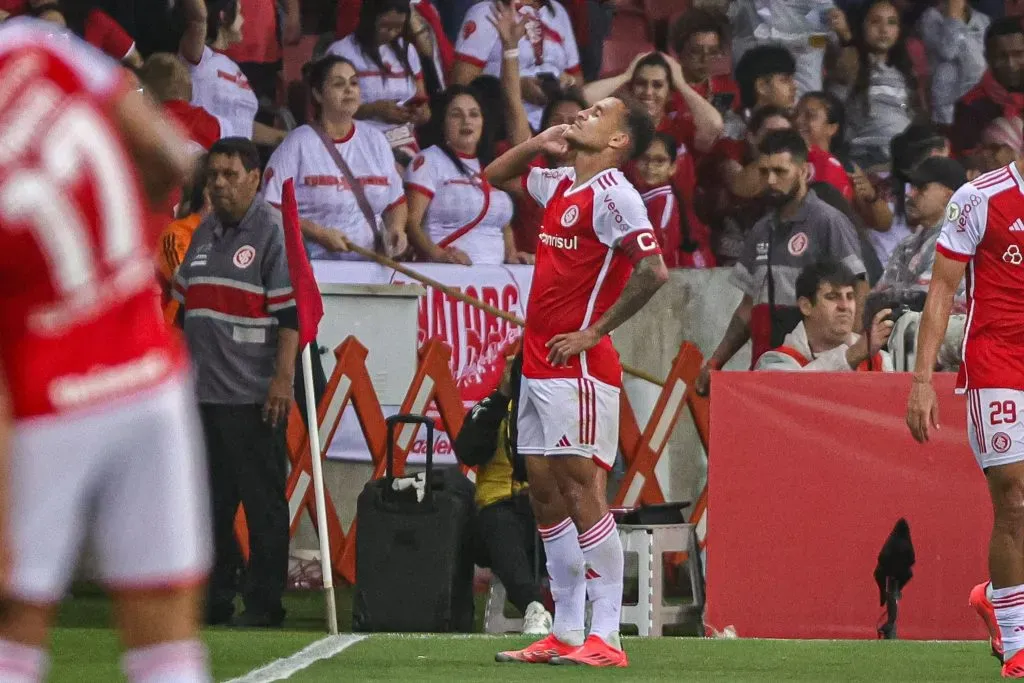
pixel 984 227
pixel 321 191
pixel 458 201
pixel 393 84
pixel 590 239
pixel 549 45
pixel 220 87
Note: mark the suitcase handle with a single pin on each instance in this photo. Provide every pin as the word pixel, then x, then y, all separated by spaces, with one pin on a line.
pixel 408 418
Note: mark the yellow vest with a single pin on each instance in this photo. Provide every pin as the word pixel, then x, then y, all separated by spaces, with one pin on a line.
pixel 494 481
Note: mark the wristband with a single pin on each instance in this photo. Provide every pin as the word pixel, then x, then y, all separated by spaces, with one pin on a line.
pixel 512 54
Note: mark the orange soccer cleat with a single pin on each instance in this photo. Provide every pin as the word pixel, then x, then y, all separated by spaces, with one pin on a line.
pixel 980 602
pixel 1014 667
pixel 594 652
pixel 539 652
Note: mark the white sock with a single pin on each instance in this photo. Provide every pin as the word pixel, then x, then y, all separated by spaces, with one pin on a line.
pixel 182 661
pixel 602 551
pixel 1009 605
pixel 21 663
pixel 568 588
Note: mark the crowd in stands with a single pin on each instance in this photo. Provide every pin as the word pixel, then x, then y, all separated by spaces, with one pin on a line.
pixel 407 100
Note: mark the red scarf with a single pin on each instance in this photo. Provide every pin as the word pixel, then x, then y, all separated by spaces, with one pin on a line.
pixel 1012 103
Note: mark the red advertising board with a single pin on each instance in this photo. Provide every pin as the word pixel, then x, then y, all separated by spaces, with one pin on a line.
pixel 808 473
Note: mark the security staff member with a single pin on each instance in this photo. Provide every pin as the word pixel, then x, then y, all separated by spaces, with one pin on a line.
pixel 240 321
pixel 799 229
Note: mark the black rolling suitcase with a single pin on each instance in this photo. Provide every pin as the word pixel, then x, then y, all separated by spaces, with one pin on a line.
pixel 414 566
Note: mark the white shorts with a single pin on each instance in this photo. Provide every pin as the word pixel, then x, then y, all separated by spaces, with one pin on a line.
pixel 995 426
pixel 129 479
pixel 569 417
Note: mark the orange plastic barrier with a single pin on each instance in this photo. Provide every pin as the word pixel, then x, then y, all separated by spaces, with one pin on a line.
pixel 433 384
pixel 642 451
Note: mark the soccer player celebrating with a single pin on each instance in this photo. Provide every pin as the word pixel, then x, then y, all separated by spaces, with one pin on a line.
pixel 598 263
pixel 103 433
pixel 983 235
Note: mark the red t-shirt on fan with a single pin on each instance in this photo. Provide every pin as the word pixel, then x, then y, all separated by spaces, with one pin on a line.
pixel 825 168
pixel 984 227
pixel 590 238
pixel 80 323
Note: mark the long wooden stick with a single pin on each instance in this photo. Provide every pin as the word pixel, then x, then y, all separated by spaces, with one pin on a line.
pixel 459 296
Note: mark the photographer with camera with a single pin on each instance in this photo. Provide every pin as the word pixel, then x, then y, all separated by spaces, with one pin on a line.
pixel 824 341
pixel 909 270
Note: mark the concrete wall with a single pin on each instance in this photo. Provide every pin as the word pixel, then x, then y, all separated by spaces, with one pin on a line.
pixel 695 306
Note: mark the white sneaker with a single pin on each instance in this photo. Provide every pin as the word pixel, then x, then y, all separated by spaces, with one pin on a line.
pixel 537 620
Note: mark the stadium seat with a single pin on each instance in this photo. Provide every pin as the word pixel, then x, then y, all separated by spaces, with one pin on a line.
pixel 618 54
pixel 657 10
pixel 650 543
pixel 629 24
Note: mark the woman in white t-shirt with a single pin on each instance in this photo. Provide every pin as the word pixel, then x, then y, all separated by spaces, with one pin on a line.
pixel 218 84
pixel 389 70
pixel 329 210
pixel 455 216
pixel 547 52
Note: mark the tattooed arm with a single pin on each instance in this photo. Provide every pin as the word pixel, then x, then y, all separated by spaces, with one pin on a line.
pixel 649 274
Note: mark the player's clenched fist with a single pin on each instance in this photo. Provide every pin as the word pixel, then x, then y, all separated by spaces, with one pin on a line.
pixel 565 346
pixel 922 410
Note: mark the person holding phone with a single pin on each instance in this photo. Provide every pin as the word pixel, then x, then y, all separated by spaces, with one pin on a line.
pixel 389 70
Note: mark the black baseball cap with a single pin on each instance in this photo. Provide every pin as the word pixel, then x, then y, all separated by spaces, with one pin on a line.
pixel 940 170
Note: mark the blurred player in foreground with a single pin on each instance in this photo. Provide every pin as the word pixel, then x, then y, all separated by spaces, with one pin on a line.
pixel 598 263
pixel 103 432
pixel 983 236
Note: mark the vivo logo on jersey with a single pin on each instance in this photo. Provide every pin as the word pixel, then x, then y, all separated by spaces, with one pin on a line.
pixel 568 243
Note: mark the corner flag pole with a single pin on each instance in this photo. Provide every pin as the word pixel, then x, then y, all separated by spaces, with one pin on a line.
pixel 310 310
pixel 318 491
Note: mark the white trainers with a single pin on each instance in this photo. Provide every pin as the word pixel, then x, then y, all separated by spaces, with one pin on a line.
pixel 537 620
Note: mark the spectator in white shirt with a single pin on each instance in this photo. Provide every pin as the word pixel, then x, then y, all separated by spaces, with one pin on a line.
pixel 329 210
pixel 218 84
pixel 547 53
pixel 455 215
pixel 390 74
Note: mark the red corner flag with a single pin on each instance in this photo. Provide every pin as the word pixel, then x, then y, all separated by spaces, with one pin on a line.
pixel 307 294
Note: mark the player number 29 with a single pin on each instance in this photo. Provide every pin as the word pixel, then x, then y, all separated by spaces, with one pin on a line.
pixel 78 143
pixel 1002 412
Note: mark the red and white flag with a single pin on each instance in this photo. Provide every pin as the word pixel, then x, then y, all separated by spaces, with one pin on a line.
pixel 307 294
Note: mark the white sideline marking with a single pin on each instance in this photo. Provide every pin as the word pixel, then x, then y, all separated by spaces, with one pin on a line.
pixel 284 668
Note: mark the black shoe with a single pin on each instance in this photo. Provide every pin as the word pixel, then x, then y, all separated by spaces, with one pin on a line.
pixel 219 614
pixel 254 619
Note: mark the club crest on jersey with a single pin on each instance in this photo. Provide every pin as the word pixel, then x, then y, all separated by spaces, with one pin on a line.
pixel 244 257
pixel 1001 442
pixel 952 212
pixel 571 215
pixel 798 243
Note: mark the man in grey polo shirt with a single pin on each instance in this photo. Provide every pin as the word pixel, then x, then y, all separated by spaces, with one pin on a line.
pixel 798 230
pixel 241 324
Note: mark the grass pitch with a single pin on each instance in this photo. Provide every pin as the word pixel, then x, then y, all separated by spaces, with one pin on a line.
pixel 85 650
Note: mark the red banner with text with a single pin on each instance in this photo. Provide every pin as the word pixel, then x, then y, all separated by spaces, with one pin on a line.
pixel 808 473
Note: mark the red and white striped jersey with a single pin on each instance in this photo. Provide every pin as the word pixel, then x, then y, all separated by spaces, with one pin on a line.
pixel 984 227
pixel 79 317
pixel 590 239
